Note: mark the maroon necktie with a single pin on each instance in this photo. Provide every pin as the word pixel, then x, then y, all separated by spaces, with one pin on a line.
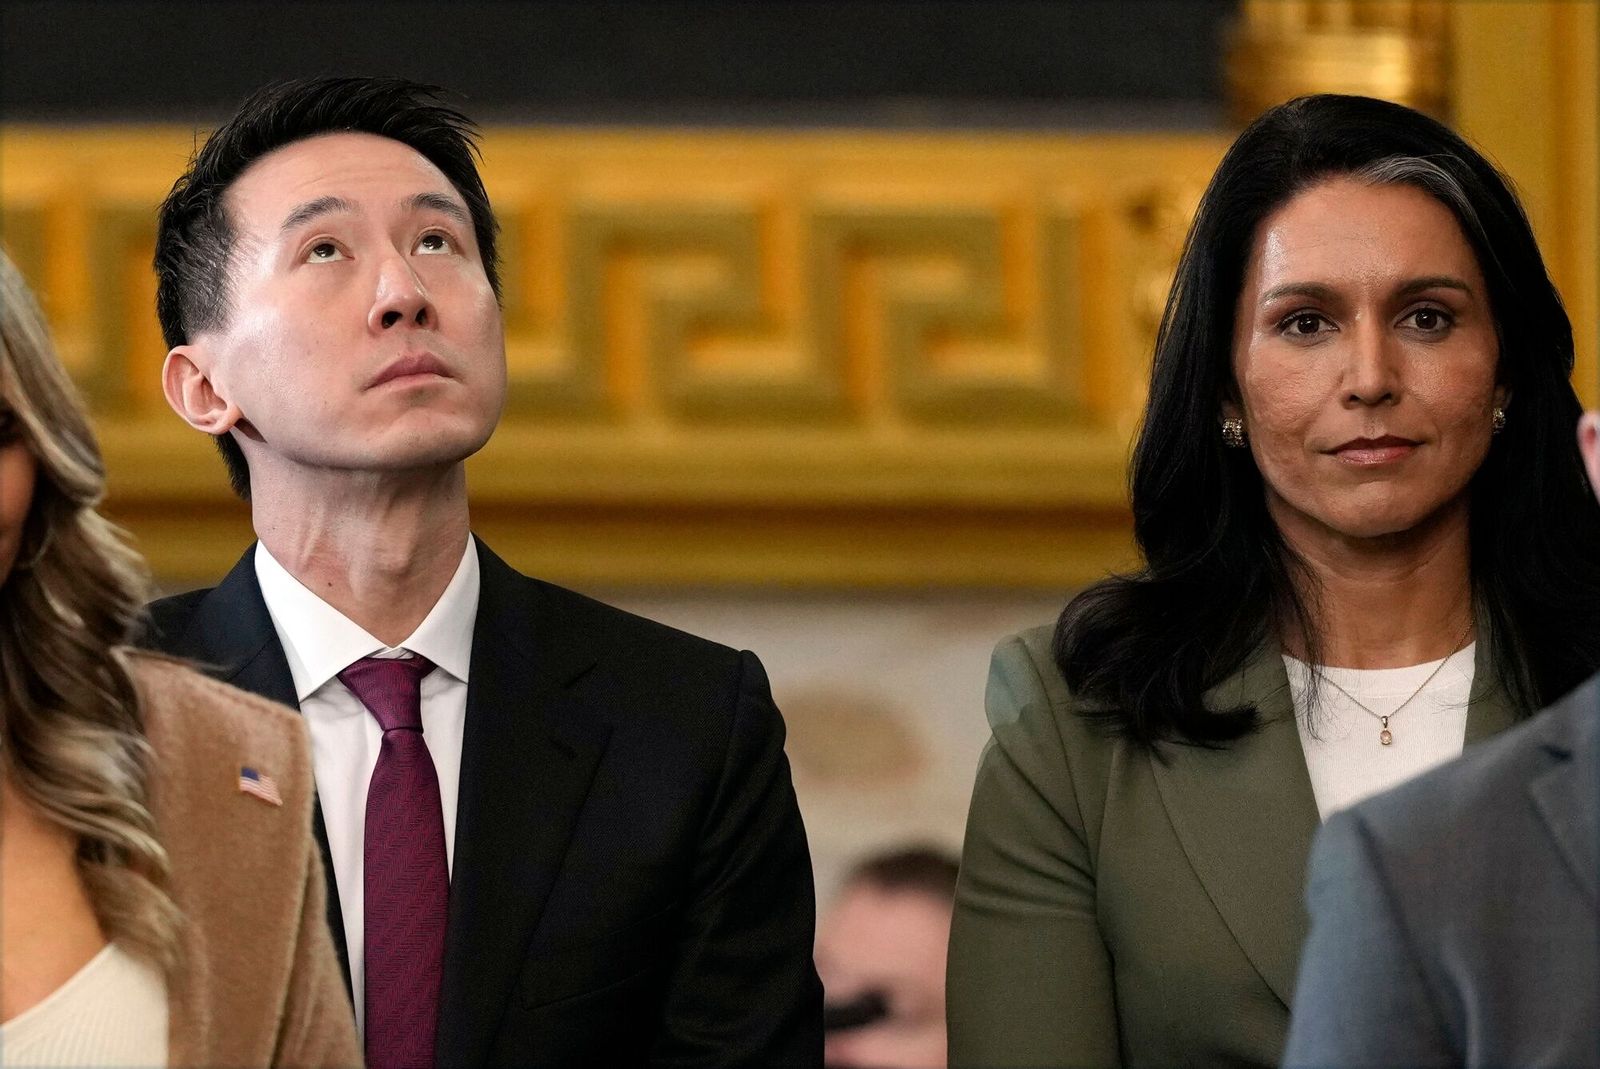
pixel 407 885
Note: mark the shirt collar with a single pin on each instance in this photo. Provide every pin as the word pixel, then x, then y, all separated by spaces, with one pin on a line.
pixel 319 641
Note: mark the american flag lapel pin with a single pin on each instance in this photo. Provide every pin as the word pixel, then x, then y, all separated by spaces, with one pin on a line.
pixel 256 782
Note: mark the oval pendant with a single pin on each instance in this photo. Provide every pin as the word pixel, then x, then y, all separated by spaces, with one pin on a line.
pixel 1384 737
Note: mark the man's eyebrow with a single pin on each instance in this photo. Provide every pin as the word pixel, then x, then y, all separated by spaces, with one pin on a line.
pixel 440 203
pixel 311 209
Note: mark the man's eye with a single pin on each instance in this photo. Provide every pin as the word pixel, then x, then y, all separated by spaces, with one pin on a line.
pixel 323 252
pixel 433 243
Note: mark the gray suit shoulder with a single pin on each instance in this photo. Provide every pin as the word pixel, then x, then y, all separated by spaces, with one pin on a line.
pixel 1447 808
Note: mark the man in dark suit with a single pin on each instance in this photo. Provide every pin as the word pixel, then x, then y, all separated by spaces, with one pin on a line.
pixel 556 834
pixel 1456 919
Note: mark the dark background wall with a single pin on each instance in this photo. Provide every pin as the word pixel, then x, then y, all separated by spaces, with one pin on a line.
pixel 1139 63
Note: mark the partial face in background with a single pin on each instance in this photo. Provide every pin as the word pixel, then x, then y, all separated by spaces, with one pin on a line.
pixel 362 332
pixel 1589 446
pixel 1365 355
pixel 18 470
pixel 892 942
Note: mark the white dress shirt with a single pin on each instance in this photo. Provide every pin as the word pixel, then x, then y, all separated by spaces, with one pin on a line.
pixel 319 643
pixel 1344 756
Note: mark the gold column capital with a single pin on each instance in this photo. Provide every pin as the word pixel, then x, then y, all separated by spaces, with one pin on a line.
pixel 1394 49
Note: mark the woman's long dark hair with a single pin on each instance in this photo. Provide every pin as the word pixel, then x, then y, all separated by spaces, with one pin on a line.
pixel 1140 650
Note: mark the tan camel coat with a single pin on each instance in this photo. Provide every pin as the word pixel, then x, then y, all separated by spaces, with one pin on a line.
pixel 257 982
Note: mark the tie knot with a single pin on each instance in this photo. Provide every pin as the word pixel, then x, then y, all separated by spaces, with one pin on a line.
pixel 390 688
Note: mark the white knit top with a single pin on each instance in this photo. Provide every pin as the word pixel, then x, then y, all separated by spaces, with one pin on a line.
pixel 1344 755
pixel 112 1014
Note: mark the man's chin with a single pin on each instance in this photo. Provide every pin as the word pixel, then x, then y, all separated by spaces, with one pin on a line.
pixel 444 442
pixel 396 461
pixel 437 456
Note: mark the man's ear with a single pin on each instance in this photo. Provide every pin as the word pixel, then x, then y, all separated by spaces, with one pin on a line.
pixel 192 395
pixel 1589 446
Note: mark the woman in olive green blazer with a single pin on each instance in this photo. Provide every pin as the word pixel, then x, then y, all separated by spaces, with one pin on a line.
pixel 1326 468
pixel 1117 909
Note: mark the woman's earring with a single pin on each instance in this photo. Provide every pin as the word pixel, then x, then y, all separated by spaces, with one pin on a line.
pixel 1233 432
pixel 1498 420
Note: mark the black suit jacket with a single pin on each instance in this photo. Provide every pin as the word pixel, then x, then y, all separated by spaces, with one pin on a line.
pixel 1455 920
pixel 631 884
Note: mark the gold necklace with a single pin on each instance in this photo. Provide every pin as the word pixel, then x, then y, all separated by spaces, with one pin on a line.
pixel 1385 736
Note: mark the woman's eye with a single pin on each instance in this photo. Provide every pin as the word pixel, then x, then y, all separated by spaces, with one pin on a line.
pixel 324 252
pixel 433 243
pixel 1303 325
pixel 1431 320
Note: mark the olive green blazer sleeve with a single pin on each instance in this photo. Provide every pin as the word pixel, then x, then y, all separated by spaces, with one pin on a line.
pixel 1030 979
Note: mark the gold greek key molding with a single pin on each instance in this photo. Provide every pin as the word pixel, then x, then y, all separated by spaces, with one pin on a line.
pixel 744 357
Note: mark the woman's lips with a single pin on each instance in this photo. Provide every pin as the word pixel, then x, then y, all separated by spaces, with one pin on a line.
pixel 1368 452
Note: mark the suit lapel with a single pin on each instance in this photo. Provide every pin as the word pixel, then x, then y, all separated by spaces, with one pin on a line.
pixel 232 637
pixel 1245 816
pixel 529 752
pixel 1567 797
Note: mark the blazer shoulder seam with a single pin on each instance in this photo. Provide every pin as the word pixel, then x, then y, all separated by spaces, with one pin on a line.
pixel 171 689
pixel 1056 711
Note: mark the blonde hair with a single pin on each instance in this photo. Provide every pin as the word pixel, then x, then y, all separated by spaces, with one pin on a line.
pixel 72 739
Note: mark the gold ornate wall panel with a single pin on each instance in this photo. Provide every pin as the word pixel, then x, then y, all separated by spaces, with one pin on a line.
pixel 742 357
pixel 808 358
pixel 1528 92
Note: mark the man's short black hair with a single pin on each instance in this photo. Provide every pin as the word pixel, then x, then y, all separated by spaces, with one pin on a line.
pixel 927 869
pixel 194 237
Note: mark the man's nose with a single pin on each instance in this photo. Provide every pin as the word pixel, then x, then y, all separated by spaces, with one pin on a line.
pixel 399 297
